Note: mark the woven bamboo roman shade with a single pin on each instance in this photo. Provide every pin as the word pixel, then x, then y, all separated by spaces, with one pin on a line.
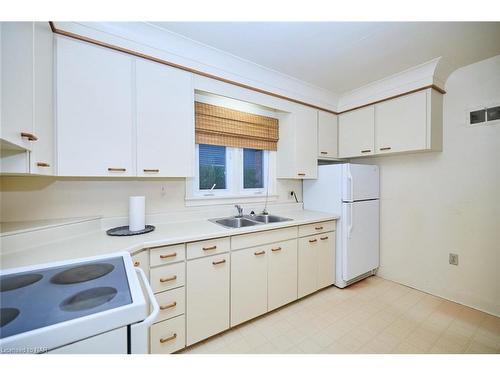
pixel 227 127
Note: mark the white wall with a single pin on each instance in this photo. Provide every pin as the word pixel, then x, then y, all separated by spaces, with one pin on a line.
pixel 37 198
pixel 436 203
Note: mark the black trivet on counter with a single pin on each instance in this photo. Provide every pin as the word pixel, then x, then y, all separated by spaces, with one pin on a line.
pixel 125 231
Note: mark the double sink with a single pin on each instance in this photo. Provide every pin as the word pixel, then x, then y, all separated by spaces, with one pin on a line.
pixel 248 220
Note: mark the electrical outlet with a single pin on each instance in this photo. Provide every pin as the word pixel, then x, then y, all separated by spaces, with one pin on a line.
pixel 453 259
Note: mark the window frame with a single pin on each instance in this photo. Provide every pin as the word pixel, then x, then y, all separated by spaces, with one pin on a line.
pixel 234 181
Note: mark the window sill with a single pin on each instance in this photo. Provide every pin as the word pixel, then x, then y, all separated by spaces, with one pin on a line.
pixel 209 201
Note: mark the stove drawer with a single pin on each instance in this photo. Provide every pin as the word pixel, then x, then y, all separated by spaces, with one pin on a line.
pixel 168 336
pixel 166 254
pixel 167 277
pixel 172 303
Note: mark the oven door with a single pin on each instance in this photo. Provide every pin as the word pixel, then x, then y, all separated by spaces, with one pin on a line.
pixel 139 332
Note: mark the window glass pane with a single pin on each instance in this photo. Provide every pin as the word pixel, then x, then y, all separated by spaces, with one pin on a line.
pixel 253 169
pixel 212 167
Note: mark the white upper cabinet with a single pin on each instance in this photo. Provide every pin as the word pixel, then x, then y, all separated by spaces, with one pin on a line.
pixel 405 124
pixel 94 111
pixel 327 135
pixel 27 123
pixel 165 121
pixel 298 144
pixel 357 132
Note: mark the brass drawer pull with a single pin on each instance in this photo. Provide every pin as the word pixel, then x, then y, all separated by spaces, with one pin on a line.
pixel 169 306
pixel 365 151
pixel 259 252
pixel 42 164
pixel 117 169
pixel 324 238
pixel 219 262
pixel 315 240
pixel 31 137
pixel 137 264
pixel 170 338
pixel 324 153
pixel 276 249
pixel 168 256
pixel 209 248
pixel 318 228
pixel 151 170
pixel 171 278
pixel 301 174
pixel 384 148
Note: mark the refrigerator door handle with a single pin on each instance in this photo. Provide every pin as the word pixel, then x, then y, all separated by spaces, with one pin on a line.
pixel 349 227
pixel 351 187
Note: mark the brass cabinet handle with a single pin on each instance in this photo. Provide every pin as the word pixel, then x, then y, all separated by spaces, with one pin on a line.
pixel 324 238
pixel 301 174
pixel 117 169
pixel 137 264
pixel 151 170
pixel 31 137
pixel 315 240
pixel 365 151
pixel 171 278
pixel 168 256
pixel 168 306
pixel 324 152
pixel 384 148
pixel 259 252
pixel 170 338
pixel 42 164
pixel 219 262
pixel 209 248
pixel 276 249
pixel 318 228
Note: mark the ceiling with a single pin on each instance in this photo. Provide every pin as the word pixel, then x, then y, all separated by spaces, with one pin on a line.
pixel 341 56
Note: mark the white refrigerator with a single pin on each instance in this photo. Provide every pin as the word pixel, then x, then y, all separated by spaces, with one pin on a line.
pixel 352 192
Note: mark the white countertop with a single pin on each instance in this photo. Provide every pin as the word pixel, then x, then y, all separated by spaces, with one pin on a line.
pixel 99 243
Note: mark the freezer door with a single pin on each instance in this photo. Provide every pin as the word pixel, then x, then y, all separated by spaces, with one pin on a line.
pixel 359 182
pixel 360 235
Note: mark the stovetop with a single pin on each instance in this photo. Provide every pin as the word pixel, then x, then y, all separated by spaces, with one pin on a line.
pixel 43 297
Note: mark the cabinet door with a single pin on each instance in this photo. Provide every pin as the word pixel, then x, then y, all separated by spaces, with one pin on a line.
pixel 401 124
pixel 282 274
pixel 207 291
pixel 307 265
pixel 248 284
pixel 17 82
pixel 357 132
pixel 306 143
pixel 327 135
pixel 94 111
pixel 165 121
pixel 42 156
pixel 326 260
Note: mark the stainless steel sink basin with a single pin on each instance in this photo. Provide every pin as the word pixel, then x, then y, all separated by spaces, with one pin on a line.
pixel 234 222
pixel 267 218
pixel 248 220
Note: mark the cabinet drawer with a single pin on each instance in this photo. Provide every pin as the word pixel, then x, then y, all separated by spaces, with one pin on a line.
pixel 166 254
pixel 171 303
pixel 168 336
pixel 315 228
pixel 208 247
pixel 266 237
pixel 167 277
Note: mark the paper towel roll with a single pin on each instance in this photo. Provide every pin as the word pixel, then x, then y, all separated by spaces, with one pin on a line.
pixel 136 213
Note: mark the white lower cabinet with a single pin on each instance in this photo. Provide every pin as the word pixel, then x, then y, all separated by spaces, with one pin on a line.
pixel 308 261
pixel 282 274
pixel 248 284
pixel 326 260
pixel 168 336
pixel 207 292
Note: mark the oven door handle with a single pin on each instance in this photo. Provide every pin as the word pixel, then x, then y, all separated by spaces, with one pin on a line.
pixel 139 331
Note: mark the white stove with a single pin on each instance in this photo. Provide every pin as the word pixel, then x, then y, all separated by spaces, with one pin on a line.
pixel 57 307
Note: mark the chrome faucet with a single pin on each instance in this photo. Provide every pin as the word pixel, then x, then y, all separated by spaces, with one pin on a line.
pixel 240 210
